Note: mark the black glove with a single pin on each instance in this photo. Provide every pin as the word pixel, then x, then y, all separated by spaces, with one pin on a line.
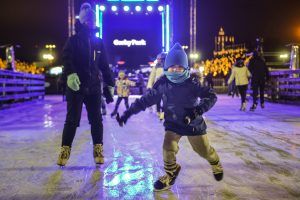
pixel 123 119
pixel 107 94
pixel 191 114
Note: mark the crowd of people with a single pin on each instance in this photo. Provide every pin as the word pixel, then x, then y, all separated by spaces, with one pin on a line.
pixel 23 67
pixel 222 65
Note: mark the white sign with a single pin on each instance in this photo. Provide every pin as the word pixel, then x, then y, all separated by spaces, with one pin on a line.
pixel 129 43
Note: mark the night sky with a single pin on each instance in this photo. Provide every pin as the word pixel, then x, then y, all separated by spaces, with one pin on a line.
pixel 33 23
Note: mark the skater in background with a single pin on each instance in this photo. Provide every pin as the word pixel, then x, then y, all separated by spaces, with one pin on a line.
pixel 209 80
pixel 241 75
pixel 260 74
pixel 234 89
pixel 156 73
pixel 123 85
pixel 183 116
pixel 84 58
pixel 140 82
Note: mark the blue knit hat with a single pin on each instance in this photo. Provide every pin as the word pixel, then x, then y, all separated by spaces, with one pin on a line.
pixel 176 56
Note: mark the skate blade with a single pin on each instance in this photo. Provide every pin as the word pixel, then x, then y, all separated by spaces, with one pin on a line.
pixel 61 166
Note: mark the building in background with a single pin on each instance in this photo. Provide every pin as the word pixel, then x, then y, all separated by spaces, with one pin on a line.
pixel 225 44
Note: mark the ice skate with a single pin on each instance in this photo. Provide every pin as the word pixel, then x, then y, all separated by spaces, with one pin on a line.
pixel 243 106
pixel 98 154
pixel 253 107
pixel 113 113
pixel 262 105
pixel 165 182
pixel 161 116
pixel 158 114
pixel 217 170
pixel 64 155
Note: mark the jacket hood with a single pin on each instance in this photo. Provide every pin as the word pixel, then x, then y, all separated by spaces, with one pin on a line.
pixel 79 28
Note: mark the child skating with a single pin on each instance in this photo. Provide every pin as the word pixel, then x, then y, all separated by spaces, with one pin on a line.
pixel 123 91
pixel 183 115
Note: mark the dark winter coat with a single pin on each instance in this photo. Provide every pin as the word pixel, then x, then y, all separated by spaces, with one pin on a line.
pixel 258 69
pixel 177 97
pixel 84 54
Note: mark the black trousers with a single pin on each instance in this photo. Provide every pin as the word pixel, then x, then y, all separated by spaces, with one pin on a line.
pixel 243 92
pixel 119 101
pixel 75 100
pixel 258 86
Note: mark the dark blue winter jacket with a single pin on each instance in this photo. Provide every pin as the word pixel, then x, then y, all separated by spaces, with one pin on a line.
pixel 176 97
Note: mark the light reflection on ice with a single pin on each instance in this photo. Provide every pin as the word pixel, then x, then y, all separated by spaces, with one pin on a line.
pixel 128 176
pixel 48 122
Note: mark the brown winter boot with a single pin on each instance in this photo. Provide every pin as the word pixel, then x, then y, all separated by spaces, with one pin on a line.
pixel 217 170
pixel 165 182
pixel 64 155
pixel 98 154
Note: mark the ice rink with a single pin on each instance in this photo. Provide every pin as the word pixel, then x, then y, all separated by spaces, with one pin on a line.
pixel 260 153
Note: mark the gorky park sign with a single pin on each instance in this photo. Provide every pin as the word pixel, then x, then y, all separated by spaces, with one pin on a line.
pixel 129 43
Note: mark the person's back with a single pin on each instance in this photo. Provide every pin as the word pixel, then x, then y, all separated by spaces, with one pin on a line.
pixel 258 68
pixel 241 75
pixel 260 74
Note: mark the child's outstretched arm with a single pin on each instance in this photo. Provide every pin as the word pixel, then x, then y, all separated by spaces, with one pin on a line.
pixel 151 97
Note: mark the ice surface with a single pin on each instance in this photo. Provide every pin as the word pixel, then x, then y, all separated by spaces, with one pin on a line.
pixel 259 151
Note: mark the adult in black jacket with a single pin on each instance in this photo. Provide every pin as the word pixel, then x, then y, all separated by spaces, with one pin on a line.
pixel 84 60
pixel 260 74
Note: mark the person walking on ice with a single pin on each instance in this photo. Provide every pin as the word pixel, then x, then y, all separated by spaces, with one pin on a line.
pixel 241 75
pixel 84 60
pixel 260 75
pixel 180 93
pixel 156 72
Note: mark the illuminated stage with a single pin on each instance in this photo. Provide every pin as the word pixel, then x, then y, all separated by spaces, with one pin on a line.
pixel 134 31
pixel 259 151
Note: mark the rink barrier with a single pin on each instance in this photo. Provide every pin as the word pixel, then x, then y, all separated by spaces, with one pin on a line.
pixel 285 84
pixel 18 86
